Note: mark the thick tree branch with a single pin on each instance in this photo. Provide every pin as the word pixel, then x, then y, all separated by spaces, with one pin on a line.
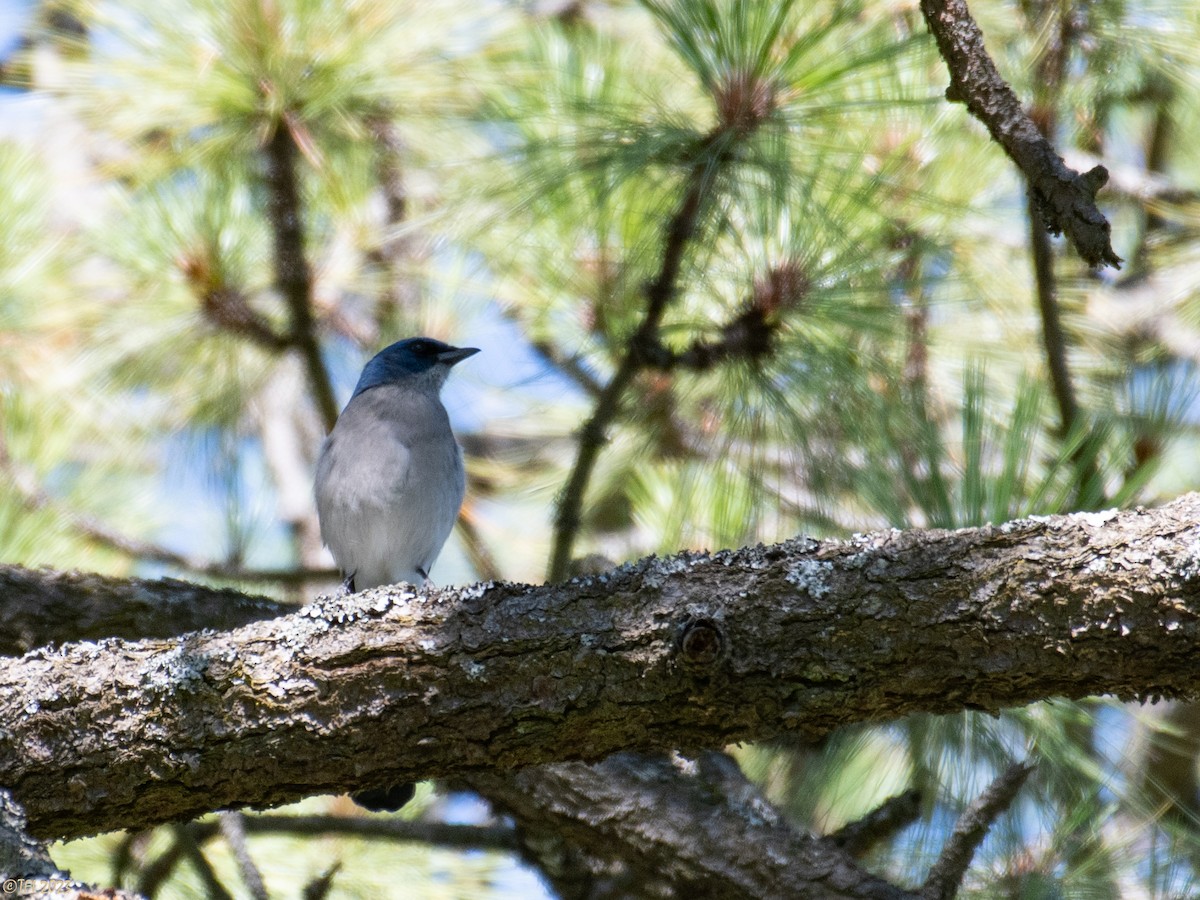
pixel 713 844
pixel 39 607
pixel 1065 199
pixel 689 651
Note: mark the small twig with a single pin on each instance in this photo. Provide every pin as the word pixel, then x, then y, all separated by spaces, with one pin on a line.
pixel 895 813
pixel 292 274
pixel 1051 68
pixel 155 875
pixel 394 247
pixel 594 434
pixel 439 834
pixel 1054 341
pixel 190 848
pixel 1146 186
pixel 947 873
pixel 1053 337
pixel 229 309
pixel 233 829
pixel 482 561
pixel 130 854
pixel 35 498
pixel 750 335
pixel 571 366
pixel 319 887
pixel 1065 199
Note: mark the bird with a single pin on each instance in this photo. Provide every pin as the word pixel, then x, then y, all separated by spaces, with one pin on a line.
pixel 390 481
pixel 390 476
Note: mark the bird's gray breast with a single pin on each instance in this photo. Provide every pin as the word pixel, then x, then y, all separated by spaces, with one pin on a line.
pixel 390 481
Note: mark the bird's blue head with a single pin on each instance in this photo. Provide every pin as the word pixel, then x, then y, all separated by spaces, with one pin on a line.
pixel 418 360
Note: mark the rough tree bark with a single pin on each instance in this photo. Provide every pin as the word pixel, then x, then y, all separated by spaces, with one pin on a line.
pixel 689 651
pixel 681 827
pixel 1066 199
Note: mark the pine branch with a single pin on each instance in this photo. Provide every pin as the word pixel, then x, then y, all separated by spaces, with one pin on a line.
pixel 893 815
pixel 703 831
pixel 292 274
pixel 35 498
pixel 689 651
pixel 972 827
pixel 638 352
pixel 1065 199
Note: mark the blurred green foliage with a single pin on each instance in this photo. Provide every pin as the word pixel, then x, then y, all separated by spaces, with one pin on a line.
pixel 851 337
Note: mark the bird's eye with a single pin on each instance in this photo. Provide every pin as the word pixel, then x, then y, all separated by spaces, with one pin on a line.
pixel 423 348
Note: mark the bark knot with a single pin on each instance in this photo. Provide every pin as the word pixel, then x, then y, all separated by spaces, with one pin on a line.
pixel 702 644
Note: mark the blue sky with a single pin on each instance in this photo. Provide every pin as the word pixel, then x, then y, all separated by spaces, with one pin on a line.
pixel 14 17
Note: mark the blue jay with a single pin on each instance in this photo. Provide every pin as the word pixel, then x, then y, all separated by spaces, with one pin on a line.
pixel 390 477
pixel 390 481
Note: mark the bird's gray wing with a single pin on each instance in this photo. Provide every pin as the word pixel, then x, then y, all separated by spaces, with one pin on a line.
pixel 364 467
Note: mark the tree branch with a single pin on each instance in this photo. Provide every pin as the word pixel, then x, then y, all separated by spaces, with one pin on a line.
pixel 35 498
pixel 743 101
pixel 691 651
pixel 228 308
pixel 946 876
pixel 232 825
pixel 190 850
pixel 572 366
pixel 398 294
pixel 43 607
pixel 1089 490
pixel 292 274
pixel 1051 69
pixel 1065 199
pixel 714 844
pixel 881 823
pixel 593 434
pixel 749 335
pixel 500 838
pixel 477 551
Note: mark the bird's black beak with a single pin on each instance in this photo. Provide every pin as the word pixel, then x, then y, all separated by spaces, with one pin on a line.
pixel 455 355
